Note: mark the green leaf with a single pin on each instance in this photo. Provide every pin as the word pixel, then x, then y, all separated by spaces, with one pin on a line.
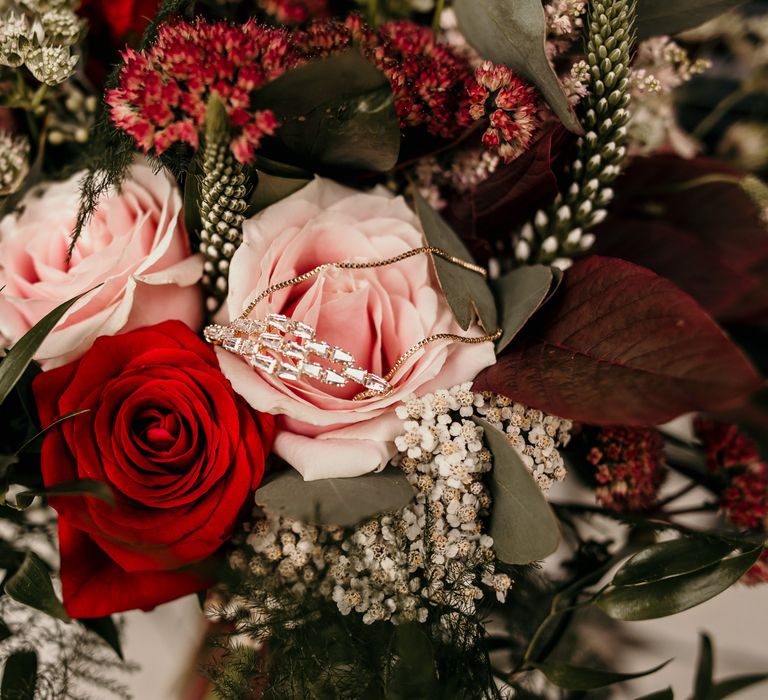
pixel 19 676
pixel 704 669
pixel 467 292
pixel 20 355
pixel 512 32
pixel 523 526
pixel 105 628
pixel 665 694
pixel 31 585
pixel 674 594
pixel 672 558
pixel 729 686
pixel 342 502
pixel 192 220
pixel 655 17
pixel 414 675
pixel 519 293
pixel 578 678
pixel 77 487
pixel 272 188
pixel 336 111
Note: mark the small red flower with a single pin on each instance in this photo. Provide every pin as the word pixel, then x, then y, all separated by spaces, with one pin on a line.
pixel 630 467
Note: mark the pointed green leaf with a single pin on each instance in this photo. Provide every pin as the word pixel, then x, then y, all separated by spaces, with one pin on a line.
pixel 512 32
pixel 467 292
pixel 414 675
pixel 656 17
pixel 192 181
pixel 578 678
pixel 523 526
pixel 672 595
pixel 272 188
pixel 105 628
pixel 20 355
pixel 519 293
pixel 671 558
pixel 704 669
pixel 342 502
pixel 665 694
pixel 19 676
pixel 337 111
pixel 31 585
pixel 729 686
pixel 77 487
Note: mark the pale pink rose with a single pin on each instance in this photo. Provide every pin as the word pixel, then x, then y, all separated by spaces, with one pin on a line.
pixel 135 244
pixel 375 314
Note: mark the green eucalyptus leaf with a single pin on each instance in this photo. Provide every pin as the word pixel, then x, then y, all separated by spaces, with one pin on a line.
pixel 704 669
pixel 656 17
pixel 272 188
pixel 723 689
pixel 31 585
pixel 467 292
pixel 674 594
pixel 523 526
pixel 672 558
pixel 512 32
pixel 337 111
pixel 342 502
pixel 105 628
pixel 665 694
pixel 414 675
pixel 519 293
pixel 77 487
pixel 579 678
pixel 19 676
pixel 20 355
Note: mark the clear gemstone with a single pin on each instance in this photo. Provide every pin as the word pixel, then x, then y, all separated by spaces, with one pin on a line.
pixel 311 369
pixel 248 347
pixel 376 383
pixel 282 323
pixel 293 350
pixel 232 343
pixel 342 356
pixel 248 325
pixel 215 332
pixel 288 372
pixel 302 330
pixel 334 378
pixel 317 347
pixel 271 340
pixel 355 374
pixel 263 362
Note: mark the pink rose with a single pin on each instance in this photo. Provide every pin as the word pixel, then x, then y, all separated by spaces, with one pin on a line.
pixel 375 314
pixel 135 244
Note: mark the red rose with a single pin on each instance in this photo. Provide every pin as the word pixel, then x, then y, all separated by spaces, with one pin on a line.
pixel 121 18
pixel 181 451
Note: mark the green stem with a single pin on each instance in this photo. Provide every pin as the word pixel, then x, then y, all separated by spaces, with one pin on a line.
pixel 439 7
pixel 706 508
pixel 721 109
pixel 677 494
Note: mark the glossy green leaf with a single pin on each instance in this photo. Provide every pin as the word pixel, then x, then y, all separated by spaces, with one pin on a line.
pixel 519 293
pixel 512 32
pixel 704 669
pixel 579 678
pixel 726 688
pixel 665 694
pixel 342 502
pixel 272 188
pixel 105 628
pixel 523 526
pixel 674 594
pixel 19 676
pixel 414 675
pixel 467 292
pixel 671 558
pixel 31 585
pixel 656 17
pixel 77 487
pixel 336 111
pixel 20 355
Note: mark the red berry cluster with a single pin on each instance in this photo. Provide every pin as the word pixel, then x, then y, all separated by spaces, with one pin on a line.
pixel 629 467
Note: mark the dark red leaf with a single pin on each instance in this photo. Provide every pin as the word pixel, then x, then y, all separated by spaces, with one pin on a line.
pixel 708 239
pixel 621 345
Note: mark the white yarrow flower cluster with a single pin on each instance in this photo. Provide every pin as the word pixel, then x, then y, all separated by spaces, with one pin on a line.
pixel 14 162
pixel 434 553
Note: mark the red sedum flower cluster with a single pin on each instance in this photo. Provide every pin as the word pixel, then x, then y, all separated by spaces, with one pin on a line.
pixel 630 469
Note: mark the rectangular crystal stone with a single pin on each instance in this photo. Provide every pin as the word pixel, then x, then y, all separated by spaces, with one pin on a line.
pixel 317 347
pixel 355 374
pixel 334 378
pixel 293 350
pixel 288 372
pixel 249 326
pixel 263 362
pixel 248 347
pixel 342 356
pixel 376 383
pixel 231 343
pixel 302 330
pixel 282 323
pixel 214 332
pixel 271 340
pixel 311 369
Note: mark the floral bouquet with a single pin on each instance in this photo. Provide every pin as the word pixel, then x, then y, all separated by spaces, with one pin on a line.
pixel 308 307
